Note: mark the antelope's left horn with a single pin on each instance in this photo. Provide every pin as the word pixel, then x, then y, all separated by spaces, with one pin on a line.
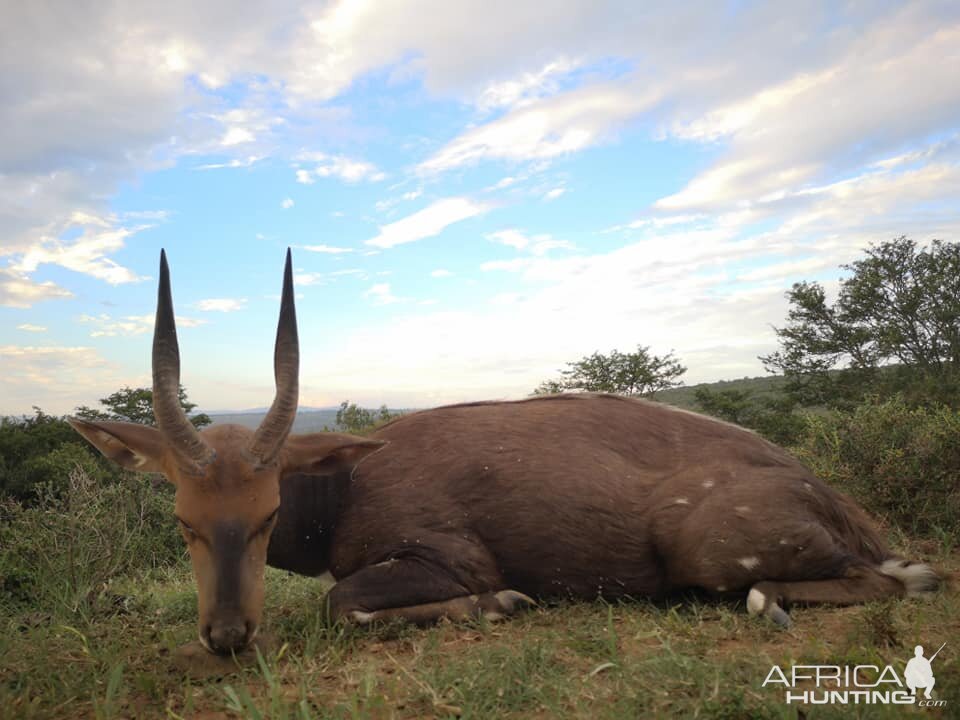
pixel 275 427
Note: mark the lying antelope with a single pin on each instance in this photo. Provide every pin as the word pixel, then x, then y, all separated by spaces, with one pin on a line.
pixel 473 509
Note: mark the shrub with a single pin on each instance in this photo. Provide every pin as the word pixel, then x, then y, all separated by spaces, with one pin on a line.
pixel 771 414
pixel 50 473
pixel 62 554
pixel 29 454
pixel 900 462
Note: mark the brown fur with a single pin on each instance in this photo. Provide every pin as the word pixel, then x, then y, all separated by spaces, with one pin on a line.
pixel 582 495
pixel 462 509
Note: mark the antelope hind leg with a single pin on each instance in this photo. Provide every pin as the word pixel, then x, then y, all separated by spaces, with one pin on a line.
pixel 859 584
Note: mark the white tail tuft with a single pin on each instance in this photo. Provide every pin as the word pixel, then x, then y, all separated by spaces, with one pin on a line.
pixel 917 578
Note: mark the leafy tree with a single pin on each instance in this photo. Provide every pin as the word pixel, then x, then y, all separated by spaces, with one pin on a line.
pixel 636 373
pixel 895 326
pixel 136 405
pixel 352 418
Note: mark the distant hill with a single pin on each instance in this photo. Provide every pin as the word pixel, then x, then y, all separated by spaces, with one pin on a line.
pixel 315 419
pixel 308 419
pixel 684 396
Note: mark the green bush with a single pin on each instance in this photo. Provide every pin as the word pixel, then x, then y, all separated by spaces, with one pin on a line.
pixel 62 554
pixel 771 414
pixel 50 473
pixel 42 450
pixel 900 462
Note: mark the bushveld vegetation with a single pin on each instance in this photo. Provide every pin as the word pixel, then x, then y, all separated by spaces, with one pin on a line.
pixel 96 593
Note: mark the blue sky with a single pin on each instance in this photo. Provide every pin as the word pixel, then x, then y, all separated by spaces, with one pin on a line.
pixel 475 192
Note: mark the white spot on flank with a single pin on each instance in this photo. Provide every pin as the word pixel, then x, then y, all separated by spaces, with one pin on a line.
pixel 681 501
pixel 808 487
pixel 708 484
pixel 756 601
pixel 742 508
pixel 387 563
pixel 362 618
pixel 721 588
pixel 749 562
pixel 783 541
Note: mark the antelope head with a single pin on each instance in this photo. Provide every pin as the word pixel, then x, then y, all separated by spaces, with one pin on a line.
pixel 227 477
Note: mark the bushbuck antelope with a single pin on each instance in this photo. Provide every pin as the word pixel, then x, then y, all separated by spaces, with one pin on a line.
pixel 475 509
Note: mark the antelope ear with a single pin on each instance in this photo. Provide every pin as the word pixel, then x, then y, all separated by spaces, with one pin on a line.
pixel 132 446
pixel 326 452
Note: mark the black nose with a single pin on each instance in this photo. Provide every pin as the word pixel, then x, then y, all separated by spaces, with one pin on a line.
pixel 227 637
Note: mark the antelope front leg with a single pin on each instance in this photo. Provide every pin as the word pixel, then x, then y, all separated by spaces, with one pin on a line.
pixel 417 592
pixel 491 605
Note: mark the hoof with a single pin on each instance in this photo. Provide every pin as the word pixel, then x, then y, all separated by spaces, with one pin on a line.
pixel 361 618
pixel 511 601
pixel 759 603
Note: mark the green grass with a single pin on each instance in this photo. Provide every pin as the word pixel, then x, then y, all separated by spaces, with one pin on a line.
pixel 580 660
pixel 97 602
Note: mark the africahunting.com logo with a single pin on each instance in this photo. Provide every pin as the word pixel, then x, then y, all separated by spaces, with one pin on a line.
pixel 859 684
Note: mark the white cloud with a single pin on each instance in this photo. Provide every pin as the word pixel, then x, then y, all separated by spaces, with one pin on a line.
pixel 391 203
pixel 525 88
pixel 510 237
pixel 129 325
pixel 317 278
pixel 657 223
pixel 544 243
pixel 54 378
pixel 347 169
pixel 87 252
pixel 221 304
pixel 246 162
pixel 509 265
pixel 859 108
pixel 536 245
pixel 19 291
pixel 381 294
pixel 440 273
pixel 327 249
pixel 308 278
pixel 430 221
pixel 554 194
pixel 30 327
pixel 547 128
pixel 504 183
pixel 780 272
pixel 671 292
pixel 236 136
pixel 287 203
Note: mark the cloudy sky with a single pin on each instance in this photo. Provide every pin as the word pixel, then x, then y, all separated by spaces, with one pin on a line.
pixel 475 192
